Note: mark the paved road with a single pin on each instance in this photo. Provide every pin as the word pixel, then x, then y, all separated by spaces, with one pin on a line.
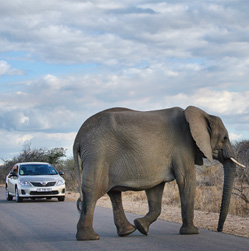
pixel 51 225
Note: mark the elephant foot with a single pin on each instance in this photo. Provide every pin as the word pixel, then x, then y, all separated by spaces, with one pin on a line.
pixel 86 235
pixel 129 229
pixel 142 226
pixel 189 230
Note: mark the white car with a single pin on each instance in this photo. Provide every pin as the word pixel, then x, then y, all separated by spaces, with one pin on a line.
pixel 34 180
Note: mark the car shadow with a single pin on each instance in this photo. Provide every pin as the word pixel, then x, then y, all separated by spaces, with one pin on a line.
pixel 29 201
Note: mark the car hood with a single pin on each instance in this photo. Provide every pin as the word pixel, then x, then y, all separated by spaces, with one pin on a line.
pixel 40 178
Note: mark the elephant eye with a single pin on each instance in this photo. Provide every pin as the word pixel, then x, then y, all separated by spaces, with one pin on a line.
pixel 225 138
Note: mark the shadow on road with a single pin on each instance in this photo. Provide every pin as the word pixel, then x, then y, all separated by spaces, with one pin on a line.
pixel 29 201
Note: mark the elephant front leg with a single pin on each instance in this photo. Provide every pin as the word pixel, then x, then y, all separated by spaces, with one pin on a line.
pixel 124 227
pixel 187 188
pixel 154 196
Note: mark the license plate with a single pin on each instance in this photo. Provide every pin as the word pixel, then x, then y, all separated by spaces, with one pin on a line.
pixel 44 189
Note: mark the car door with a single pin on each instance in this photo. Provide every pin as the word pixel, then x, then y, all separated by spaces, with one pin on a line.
pixel 11 184
pixel 12 181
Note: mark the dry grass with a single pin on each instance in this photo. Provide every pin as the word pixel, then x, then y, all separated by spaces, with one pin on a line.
pixel 207 207
pixel 207 199
pixel 208 193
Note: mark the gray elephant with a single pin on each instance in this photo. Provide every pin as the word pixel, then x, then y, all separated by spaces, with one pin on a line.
pixel 123 149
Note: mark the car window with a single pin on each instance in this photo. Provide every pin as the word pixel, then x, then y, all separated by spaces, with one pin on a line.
pixel 37 169
pixel 15 169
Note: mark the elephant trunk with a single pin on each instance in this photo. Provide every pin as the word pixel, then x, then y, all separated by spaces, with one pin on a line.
pixel 229 175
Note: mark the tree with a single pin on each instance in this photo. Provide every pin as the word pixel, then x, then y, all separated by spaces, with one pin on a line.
pixel 40 155
pixel 52 156
pixel 241 187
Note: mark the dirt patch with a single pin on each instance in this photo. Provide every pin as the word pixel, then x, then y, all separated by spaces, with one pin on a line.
pixel 234 224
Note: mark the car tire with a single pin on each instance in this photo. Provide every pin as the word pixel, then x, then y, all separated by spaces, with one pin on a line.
pixel 8 196
pixel 61 198
pixel 18 199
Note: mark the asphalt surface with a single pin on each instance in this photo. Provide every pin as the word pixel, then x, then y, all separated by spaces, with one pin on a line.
pixel 51 225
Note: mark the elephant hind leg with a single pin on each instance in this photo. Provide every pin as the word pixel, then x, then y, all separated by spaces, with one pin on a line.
pixel 124 227
pixel 154 196
pixel 85 224
pixel 92 191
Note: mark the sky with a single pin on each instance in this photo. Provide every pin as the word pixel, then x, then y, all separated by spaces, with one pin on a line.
pixel 62 61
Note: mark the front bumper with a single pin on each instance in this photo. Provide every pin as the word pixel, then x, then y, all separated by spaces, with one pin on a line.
pixel 41 192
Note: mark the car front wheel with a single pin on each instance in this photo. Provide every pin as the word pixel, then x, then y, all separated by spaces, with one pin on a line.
pixel 18 199
pixel 8 196
pixel 62 198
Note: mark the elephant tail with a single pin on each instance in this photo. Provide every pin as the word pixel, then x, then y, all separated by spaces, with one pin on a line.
pixel 76 150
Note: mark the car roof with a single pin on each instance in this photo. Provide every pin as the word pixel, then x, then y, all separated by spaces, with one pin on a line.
pixel 32 163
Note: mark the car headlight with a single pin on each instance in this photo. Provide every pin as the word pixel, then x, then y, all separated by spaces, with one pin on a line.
pixel 60 182
pixel 24 183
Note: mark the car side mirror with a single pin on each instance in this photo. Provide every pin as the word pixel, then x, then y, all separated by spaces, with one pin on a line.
pixel 61 173
pixel 13 174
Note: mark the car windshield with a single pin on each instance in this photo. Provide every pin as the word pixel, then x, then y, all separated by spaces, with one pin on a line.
pixel 37 169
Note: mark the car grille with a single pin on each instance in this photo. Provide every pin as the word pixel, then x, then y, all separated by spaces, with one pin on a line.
pixel 44 193
pixel 41 184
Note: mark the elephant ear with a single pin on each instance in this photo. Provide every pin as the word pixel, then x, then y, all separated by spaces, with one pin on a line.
pixel 200 130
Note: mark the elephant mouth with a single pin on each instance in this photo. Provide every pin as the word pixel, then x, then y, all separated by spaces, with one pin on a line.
pixel 216 154
pixel 219 155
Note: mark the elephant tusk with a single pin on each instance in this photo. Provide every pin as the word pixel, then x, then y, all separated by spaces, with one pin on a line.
pixel 236 162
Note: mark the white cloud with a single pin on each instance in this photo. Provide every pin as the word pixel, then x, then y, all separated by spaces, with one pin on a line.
pixel 223 102
pixel 6 69
pixel 146 55
pixel 213 101
pixel 23 139
pixel 72 31
pixel 235 137
pixel 14 141
pixel 61 100
pixel 53 82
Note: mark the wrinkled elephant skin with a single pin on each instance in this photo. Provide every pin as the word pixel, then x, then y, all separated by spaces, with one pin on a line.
pixel 122 149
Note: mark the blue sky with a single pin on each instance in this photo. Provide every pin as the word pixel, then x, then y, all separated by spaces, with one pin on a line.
pixel 64 60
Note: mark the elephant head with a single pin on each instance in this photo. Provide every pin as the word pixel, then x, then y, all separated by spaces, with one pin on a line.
pixel 212 140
